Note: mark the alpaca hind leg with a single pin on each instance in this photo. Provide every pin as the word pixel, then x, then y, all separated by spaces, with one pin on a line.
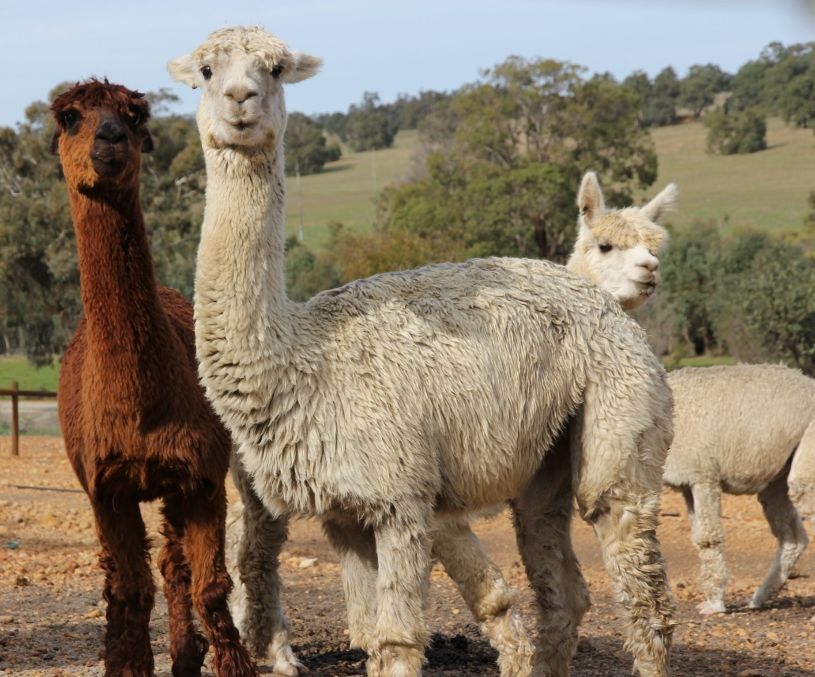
pixel 785 523
pixel 205 515
pixel 627 533
pixel 801 479
pixel 356 547
pixel 187 647
pixel 403 557
pixel 129 588
pixel 487 594
pixel 704 512
pixel 254 539
pixel 542 516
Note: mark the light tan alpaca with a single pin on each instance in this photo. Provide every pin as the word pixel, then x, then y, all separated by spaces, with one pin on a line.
pixel 617 250
pixel 744 429
pixel 412 374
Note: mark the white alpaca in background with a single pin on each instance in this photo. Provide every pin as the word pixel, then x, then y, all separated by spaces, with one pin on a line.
pixel 451 381
pixel 744 429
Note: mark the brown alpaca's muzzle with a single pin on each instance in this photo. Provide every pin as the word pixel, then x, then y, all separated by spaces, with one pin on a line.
pixel 110 152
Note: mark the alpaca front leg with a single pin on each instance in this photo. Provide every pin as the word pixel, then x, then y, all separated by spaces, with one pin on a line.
pixel 487 594
pixel 356 547
pixel 205 516
pixel 187 647
pixel 704 512
pixel 627 533
pixel 542 517
pixel 254 540
pixel 785 523
pixel 129 588
pixel 403 556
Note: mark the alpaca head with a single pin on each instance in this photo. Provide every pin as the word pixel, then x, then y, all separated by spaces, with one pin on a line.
pixel 618 249
pixel 100 135
pixel 241 72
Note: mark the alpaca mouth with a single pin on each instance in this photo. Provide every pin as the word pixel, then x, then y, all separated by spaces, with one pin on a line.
pixel 107 165
pixel 242 125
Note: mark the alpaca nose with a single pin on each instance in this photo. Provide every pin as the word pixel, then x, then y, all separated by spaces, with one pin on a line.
pixel 240 93
pixel 110 131
pixel 651 264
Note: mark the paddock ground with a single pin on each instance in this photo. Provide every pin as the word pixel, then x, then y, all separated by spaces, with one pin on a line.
pixel 51 613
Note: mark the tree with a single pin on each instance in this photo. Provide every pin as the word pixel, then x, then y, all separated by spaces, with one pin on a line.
pixel 306 148
pixel 732 133
pixel 639 83
pixel 370 126
pixel 660 109
pixel 690 269
pixel 774 295
pixel 700 86
pixel 505 157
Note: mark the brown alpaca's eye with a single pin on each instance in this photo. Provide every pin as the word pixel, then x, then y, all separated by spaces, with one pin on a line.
pixel 206 71
pixel 276 71
pixel 135 117
pixel 605 248
pixel 69 118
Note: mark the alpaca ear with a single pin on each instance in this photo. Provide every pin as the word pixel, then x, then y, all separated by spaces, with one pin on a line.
pixel 303 67
pixel 661 204
pixel 147 144
pixel 184 69
pixel 590 200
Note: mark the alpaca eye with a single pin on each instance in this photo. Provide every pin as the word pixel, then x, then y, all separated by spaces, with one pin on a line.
pixel 69 118
pixel 206 71
pixel 135 117
pixel 276 71
pixel 605 248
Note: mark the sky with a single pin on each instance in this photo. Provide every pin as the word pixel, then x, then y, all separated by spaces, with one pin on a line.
pixel 384 46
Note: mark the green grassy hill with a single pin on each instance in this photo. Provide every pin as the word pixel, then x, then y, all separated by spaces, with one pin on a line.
pixel 765 190
pixel 344 191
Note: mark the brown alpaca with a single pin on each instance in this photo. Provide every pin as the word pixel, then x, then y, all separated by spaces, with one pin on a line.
pixel 135 421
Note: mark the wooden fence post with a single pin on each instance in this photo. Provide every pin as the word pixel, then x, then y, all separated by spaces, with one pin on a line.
pixel 15 420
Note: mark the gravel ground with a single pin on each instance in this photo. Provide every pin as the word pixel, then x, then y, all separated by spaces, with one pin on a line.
pixel 52 616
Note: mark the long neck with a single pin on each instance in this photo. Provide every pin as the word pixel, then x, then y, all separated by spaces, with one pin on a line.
pixel 242 312
pixel 119 293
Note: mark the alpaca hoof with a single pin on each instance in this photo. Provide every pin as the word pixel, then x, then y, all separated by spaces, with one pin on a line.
pixel 710 607
pixel 395 661
pixel 286 663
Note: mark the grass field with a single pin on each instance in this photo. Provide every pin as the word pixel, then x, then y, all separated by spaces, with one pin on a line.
pixel 345 190
pixel 27 375
pixel 766 190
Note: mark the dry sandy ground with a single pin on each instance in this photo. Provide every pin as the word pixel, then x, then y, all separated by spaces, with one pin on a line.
pixel 51 616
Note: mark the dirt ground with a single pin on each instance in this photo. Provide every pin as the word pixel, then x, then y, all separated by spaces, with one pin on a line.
pixel 52 616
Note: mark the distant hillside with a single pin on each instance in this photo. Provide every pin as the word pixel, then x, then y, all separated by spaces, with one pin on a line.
pixel 766 190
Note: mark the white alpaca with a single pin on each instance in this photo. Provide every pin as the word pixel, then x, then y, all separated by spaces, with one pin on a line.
pixel 618 251
pixel 438 391
pixel 744 429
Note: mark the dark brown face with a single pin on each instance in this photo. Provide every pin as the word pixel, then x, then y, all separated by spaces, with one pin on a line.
pixel 101 135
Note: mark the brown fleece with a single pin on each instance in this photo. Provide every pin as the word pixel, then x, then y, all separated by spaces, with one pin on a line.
pixel 136 424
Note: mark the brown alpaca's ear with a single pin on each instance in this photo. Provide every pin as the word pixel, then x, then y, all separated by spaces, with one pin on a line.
pixel 147 144
pixel 590 199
